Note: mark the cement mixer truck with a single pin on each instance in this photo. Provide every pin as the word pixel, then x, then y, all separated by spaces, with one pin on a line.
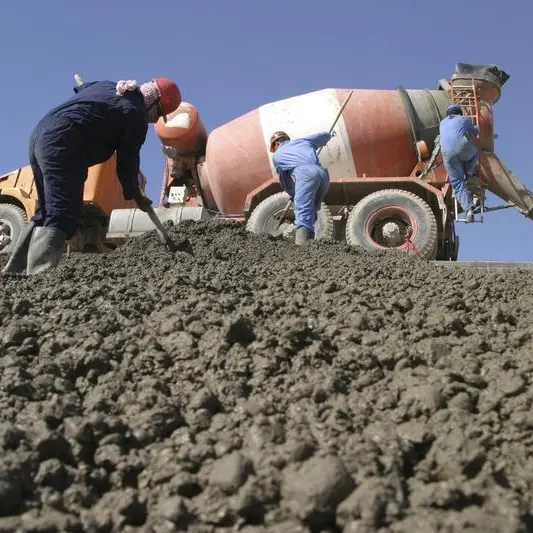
pixel 389 190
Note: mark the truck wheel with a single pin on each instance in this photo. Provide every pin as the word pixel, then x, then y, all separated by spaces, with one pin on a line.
pixel 12 223
pixel 265 218
pixel 393 219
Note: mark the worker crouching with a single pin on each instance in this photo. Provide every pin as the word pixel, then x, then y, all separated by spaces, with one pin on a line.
pixel 103 118
pixel 460 155
pixel 302 176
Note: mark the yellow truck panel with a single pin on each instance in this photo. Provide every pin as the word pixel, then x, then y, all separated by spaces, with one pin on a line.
pixel 102 194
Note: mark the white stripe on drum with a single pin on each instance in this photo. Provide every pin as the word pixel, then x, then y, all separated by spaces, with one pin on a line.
pixel 311 113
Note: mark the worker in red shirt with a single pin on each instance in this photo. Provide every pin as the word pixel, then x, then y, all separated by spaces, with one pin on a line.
pixel 101 119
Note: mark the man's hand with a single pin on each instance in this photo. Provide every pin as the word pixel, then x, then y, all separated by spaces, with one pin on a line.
pixel 143 202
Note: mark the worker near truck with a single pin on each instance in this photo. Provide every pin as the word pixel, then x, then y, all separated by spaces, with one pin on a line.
pixel 301 175
pixel 102 118
pixel 460 155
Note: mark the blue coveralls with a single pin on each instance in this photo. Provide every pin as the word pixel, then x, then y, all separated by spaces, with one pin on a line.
pixel 84 131
pixel 460 156
pixel 302 176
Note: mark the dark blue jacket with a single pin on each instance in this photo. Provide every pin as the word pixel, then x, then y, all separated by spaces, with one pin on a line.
pixel 105 123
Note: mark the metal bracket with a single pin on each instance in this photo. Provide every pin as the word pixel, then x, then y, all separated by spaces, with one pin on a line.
pixel 498 207
pixel 482 211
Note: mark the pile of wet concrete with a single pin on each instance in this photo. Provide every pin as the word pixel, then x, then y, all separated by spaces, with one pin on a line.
pixel 244 384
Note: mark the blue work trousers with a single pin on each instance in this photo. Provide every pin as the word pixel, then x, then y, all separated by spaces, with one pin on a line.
pixel 59 169
pixel 310 188
pixel 460 164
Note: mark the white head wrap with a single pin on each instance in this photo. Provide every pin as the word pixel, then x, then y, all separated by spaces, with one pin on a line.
pixel 126 85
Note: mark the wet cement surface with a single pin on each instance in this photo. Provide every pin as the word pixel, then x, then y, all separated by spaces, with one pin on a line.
pixel 258 387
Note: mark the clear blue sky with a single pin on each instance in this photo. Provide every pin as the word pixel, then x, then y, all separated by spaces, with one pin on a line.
pixel 230 56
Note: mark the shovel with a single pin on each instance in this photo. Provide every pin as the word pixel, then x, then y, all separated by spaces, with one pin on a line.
pixel 161 231
pixel 289 203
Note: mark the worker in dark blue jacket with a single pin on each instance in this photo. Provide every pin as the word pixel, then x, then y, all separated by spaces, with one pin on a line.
pixel 302 176
pixel 101 119
pixel 460 155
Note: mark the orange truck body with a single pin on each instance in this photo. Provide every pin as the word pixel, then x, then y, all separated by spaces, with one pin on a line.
pixel 102 194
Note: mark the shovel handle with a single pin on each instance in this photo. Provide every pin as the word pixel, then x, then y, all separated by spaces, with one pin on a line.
pixel 158 226
pixel 284 214
pixel 344 104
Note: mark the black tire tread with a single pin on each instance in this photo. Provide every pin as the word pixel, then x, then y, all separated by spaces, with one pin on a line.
pixel 428 251
pixel 19 214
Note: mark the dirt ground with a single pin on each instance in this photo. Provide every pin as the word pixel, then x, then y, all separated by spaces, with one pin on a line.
pixel 244 384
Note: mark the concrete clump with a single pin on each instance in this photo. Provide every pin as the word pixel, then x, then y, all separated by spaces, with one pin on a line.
pixel 257 386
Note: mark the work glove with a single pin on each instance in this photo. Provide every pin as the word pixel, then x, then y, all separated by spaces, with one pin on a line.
pixel 288 233
pixel 143 202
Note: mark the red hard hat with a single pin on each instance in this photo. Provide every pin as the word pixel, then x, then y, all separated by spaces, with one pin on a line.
pixel 170 96
pixel 277 136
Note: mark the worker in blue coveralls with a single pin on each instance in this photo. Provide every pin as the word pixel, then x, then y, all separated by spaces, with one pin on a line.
pixel 102 118
pixel 302 176
pixel 460 154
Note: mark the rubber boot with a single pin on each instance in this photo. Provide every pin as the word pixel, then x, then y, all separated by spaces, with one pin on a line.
pixel 19 256
pixel 46 249
pixel 470 216
pixel 302 236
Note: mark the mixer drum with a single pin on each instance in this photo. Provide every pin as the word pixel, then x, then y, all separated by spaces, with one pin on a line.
pixel 377 136
pixel 184 133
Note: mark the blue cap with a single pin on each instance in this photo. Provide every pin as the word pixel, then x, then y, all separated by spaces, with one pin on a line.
pixel 454 109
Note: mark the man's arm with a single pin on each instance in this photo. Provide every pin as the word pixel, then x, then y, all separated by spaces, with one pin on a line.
pixel 128 164
pixel 474 130
pixel 286 182
pixel 319 139
pixel 128 159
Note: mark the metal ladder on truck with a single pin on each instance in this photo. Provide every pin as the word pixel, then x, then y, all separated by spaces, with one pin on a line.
pixel 466 96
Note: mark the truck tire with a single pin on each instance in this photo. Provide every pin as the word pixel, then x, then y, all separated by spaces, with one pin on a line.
pixel 12 223
pixel 265 218
pixel 393 219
